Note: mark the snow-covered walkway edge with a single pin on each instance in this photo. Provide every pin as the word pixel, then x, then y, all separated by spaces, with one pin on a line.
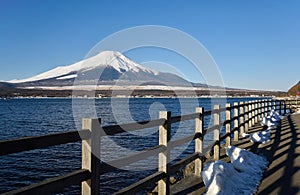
pixel 270 122
pixel 298 111
pixel 241 176
pixel 244 173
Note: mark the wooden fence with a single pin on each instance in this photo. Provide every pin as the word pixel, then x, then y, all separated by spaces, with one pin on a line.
pixel 245 115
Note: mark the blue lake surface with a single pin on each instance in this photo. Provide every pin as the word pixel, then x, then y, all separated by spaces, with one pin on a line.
pixel 32 117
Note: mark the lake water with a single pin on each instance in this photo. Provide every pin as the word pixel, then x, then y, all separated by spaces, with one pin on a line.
pixel 32 117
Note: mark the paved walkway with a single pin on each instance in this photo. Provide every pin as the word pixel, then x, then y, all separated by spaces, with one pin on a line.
pixel 283 153
pixel 283 174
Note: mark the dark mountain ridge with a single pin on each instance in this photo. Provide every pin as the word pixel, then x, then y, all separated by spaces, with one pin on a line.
pixel 295 90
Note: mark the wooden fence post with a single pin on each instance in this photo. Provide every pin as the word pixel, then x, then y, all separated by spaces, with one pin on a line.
pixel 242 120
pixel 199 140
pixel 217 132
pixel 228 125
pixel 253 113
pixel 267 107
pixel 91 156
pixel 271 105
pixel 259 110
pixel 246 116
pixel 262 108
pixel 164 157
pixel 256 111
pixel 250 114
pixel 280 107
pixel 236 121
pixel 262 115
pixel 284 107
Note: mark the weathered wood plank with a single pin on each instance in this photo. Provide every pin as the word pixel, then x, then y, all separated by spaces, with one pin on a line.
pixel 225 136
pixel 32 143
pixel 223 109
pixel 179 142
pixel 211 128
pixel 54 185
pixel 207 113
pixel 185 161
pixel 121 162
pixel 186 117
pixel 140 185
pixel 115 129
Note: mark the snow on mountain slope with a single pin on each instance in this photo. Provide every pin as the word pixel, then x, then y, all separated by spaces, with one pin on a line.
pixel 105 59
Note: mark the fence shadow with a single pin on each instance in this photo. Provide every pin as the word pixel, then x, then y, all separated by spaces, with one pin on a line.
pixel 282 154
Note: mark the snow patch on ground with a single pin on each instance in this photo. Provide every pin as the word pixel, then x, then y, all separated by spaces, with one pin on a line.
pixel 272 120
pixel 246 161
pixel 241 176
pixel 261 136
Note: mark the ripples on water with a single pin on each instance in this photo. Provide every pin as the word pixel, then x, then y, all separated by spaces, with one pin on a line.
pixel 32 117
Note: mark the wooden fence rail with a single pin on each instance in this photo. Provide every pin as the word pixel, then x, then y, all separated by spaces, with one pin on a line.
pixel 239 117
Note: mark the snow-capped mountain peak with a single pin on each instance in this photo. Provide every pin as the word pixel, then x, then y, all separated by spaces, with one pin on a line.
pixel 121 63
pixel 105 59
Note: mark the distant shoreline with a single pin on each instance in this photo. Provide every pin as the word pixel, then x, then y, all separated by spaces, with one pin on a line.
pixel 159 97
pixel 136 93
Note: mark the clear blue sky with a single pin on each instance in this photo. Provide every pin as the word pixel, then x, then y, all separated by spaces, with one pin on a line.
pixel 256 43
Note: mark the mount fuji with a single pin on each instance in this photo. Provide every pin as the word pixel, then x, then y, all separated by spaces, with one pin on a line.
pixel 112 71
pixel 105 68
